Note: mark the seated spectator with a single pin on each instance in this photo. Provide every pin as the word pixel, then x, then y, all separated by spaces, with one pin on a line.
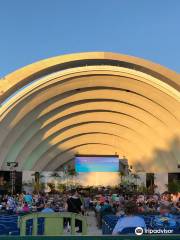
pixel 34 208
pixel 119 211
pixel 129 220
pixel 114 196
pixel 25 208
pixel 106 209
pixel 141 207
pixel 11 205
pixel 177 206
pixel 140 199
pixel 102 198
pixel 165 219
pixel 47 208
pixel 28 198
pixel 151 204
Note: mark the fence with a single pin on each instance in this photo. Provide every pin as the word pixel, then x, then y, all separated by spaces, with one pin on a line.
pixel 53 223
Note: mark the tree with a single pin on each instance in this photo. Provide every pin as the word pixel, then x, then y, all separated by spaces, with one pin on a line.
pixel 61 187
pixel 71 172
pixel 56 176
pixel 173 186
pixel 52 187
pixel 121 174
pixel 37 177
pixel 142 189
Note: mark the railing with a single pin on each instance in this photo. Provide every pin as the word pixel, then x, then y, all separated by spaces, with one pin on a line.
pixel 53 223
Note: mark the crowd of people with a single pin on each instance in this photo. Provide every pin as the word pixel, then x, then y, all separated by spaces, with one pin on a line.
pixel 164 207
pixel 102 203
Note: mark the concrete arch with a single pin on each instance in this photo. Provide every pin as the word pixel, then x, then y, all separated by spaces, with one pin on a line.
pixel 70 141
pixel 79 141
pixel 84 129
pixel 27 108
pixel 39 69
pixel 59 89
pixel 87 95
pixel 59 129
pixel 124 109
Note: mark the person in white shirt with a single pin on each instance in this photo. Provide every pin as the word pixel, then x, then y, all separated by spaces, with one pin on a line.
pixel 129 220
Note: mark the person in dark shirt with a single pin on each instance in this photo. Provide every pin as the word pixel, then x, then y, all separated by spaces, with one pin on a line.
pixel 74 205
pixel 107 209
pixel 40 204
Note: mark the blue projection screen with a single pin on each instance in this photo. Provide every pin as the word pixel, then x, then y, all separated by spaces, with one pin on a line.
pixel 96 164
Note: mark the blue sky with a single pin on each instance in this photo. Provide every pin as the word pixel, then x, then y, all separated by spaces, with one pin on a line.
pixel 37 29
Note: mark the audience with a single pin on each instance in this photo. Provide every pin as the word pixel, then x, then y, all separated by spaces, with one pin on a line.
pixel 165 219
pixel 128 208
pixel 130 220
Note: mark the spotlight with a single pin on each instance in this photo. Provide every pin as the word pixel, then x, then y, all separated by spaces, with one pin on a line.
pixel 12 164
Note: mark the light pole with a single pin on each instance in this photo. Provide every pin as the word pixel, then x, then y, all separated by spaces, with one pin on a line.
pixel 66 174
pixel 12 166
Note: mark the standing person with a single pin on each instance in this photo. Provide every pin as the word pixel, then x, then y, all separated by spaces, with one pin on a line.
pixel 11 205
pixel 86 204
pixel 40 203
pixel 74 205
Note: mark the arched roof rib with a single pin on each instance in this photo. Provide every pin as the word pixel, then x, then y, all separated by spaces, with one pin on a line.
pixel 40 69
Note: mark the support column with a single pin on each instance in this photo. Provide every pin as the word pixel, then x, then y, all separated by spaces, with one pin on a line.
pixel 161 179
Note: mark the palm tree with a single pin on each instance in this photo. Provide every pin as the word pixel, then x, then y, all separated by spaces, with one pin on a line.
pixel 121 174
pixel 37 177
pixel 55 175
pixel 72 173
pixel 136 177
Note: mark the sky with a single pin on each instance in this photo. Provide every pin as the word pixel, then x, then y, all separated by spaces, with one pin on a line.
pixel 31 30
